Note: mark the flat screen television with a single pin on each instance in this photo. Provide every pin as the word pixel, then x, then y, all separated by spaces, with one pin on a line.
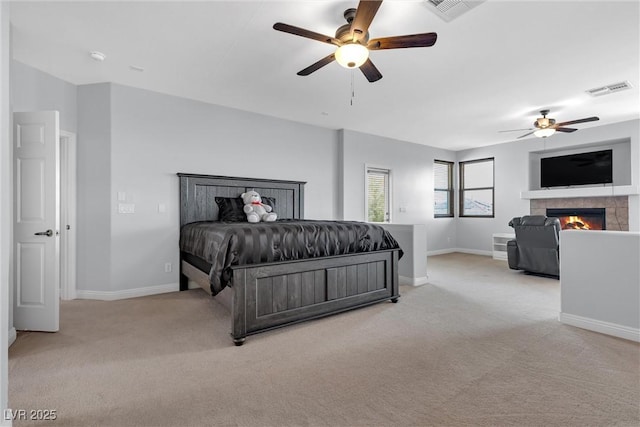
pixel 577 169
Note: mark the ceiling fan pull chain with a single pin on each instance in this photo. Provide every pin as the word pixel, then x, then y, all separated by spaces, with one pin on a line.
pixel 353 90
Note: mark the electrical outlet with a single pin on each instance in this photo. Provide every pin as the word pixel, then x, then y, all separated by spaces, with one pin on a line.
pixel 167 267
pixel 126 208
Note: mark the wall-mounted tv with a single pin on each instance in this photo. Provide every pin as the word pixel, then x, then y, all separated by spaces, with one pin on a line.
pixel 577 169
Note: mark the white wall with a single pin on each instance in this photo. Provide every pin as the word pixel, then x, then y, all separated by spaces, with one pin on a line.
pixel 511 162
pixel 513 171
pixel 155 136
pixel 412 238
pixel 6 318
pixel 621 164
pixel 40 91
pixel 134 141
pixel 93 188
pixel 600 281
pixel 411 168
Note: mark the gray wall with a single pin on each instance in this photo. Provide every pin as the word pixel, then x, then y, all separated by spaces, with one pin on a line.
pixel 133 142
pixel 600 276
pixel 511 162
pixel 411 168
pixel 38 91
pixel 512 175
pixel 93 187
pixel 621 151
pixel 154 136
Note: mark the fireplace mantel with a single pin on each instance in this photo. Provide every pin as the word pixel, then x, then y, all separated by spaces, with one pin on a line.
pixel 557 193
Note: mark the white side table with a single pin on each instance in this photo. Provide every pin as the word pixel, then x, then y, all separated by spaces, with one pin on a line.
pixel 500 245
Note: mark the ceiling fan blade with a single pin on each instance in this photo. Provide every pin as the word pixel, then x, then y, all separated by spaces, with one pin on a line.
pixel 515 130
pixel 316 66
pixel 526 134
pixel 573 122
pixel 286 28
pixel 370 71
pixel 397 42
pixel 365 13
pixel 567 130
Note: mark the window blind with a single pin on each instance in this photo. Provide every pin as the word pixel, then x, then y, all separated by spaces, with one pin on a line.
pixel 443 188
pixel 441 176
pixel 377 195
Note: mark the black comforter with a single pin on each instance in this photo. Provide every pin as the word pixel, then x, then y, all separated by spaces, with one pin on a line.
pixel 224 244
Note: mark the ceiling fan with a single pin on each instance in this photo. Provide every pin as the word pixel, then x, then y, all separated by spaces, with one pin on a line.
pixel 544 126
pixel 352 40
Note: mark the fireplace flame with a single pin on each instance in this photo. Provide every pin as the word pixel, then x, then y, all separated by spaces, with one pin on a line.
pixel 575 223
pixel 579 218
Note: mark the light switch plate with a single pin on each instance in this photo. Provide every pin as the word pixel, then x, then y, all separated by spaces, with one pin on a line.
pixel 126 208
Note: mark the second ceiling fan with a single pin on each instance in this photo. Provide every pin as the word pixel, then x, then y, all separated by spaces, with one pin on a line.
pixel 545 126
pixel 352 40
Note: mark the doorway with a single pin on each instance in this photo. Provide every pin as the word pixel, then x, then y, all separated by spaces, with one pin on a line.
pixel 44 219
pixel 67 215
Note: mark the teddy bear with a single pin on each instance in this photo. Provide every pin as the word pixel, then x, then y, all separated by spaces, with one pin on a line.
pixel 256 210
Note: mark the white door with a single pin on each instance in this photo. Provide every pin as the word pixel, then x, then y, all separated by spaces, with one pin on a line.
pixel 36 181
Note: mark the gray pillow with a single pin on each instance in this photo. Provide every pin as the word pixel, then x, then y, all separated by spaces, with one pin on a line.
pixel 230 209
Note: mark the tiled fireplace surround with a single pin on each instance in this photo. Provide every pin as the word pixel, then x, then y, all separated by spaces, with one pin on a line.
pixel 616 208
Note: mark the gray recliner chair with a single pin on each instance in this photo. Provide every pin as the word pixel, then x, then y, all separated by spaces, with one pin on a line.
pixel 536 248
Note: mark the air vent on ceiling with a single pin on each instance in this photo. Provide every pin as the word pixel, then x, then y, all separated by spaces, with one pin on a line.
pixel 450 9
pixel 608 89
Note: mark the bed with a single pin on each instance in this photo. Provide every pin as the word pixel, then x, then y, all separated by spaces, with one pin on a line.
pixel 269 292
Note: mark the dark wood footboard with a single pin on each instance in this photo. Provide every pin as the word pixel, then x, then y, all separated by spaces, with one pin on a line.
pixel 268 296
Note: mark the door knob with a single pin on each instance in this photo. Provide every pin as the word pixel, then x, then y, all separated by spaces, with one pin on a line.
pixel 48 233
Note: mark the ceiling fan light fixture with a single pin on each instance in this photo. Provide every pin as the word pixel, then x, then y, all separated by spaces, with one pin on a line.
pixel 352 55
pixel 545 132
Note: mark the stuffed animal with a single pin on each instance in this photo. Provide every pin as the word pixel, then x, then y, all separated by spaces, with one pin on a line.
pixel 256 210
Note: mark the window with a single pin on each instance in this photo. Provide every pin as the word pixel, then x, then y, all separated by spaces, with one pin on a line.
pixel 476 188
pixel 443 189
pixel 378 197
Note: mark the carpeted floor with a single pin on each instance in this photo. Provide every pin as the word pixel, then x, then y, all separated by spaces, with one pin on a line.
pixel 479 345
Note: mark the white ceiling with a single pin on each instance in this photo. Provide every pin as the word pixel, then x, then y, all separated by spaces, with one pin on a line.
pixel 491 69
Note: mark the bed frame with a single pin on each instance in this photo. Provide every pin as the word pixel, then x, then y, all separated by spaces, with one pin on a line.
pixel 272 295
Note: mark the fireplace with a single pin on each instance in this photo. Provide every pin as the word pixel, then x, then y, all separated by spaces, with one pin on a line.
pixel 616 208
pixel 580 218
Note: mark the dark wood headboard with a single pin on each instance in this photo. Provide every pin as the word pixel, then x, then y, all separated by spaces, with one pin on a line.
pixel 198 193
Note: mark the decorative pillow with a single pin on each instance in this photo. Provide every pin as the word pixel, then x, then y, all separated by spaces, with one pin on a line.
pixel 271 201
pixel 230 209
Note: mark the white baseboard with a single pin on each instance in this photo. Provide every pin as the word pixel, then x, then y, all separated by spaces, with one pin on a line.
pixel 607 328
pixel 461 250
pixel 474 252
pixel 127 293
pixel 412 281
pixel 440 252
pixel 12 336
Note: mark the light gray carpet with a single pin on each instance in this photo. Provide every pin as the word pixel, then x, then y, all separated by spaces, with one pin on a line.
pixel 479 345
